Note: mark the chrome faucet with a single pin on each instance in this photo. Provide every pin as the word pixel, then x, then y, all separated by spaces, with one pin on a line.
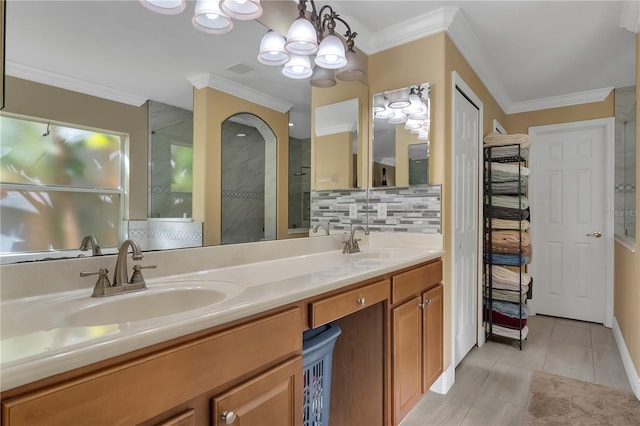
pixel 323 226
pixel 351 245
pixel 121 283
pixel 90 240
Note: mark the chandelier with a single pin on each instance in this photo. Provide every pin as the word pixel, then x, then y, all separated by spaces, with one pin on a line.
pixel 409 106
pixel 210 16
pixel 309 36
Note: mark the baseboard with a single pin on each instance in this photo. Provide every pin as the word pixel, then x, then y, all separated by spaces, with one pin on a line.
pixel 629 367
pixel 445 381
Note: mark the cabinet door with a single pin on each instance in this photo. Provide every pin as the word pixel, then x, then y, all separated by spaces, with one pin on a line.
pixel 433 336
pixel 406 357
pixel 273 398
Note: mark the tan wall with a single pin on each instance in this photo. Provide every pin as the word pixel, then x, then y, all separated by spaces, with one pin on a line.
pixel 520 123
pixel 333 161
pixel 626 308
pixel 51 103
pixel 343 91
pixel 210 109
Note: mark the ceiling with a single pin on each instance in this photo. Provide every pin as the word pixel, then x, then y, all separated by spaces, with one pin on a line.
pixel 530 54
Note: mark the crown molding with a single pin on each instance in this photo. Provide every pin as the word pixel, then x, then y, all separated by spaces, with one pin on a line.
pixel 418 27
pixel 588 96
pixel 213 81
pixel 49 78
pixel 630 18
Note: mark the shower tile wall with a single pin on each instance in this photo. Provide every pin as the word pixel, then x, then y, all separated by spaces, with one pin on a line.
pixel 299 182
pixel 165 234
pixel 413 209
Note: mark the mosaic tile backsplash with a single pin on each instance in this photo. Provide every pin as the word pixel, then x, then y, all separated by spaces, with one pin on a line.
pixel 414 209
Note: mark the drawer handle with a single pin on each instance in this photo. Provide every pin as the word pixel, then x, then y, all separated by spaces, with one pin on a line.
pixel 362 301
pixel 228 417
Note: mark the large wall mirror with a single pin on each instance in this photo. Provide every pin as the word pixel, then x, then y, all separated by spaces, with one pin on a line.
pixel 72 64
pixel 401 124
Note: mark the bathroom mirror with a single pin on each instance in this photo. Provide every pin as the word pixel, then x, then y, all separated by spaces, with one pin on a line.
pixel 419 164
pixel 401 119
pixel 47 41
pixel 336 146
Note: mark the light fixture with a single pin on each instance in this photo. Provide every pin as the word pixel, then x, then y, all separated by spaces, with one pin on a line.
pixel 165 7
pixel 306 37
pixel 298 67
pixel 409 105
pixel 272 50
pixel 398 118
pixel 210 16
pixel 379 103
pixel 323 77
pixel 398 98
pixel 243 10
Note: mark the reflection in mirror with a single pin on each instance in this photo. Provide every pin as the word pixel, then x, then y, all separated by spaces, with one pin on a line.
pixel 418 164
pixel 336 146
pixel 171 161
pixel 248 180
pixel 299 184
pixel 401 118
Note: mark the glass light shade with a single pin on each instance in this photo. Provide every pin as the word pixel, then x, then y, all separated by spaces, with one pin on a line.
pixel 331 53
pixel 272 50
pixel 209 18
pixel 421 114
pixel 301 38
pixel 416 104
pixel 385 114
pixel 323 77
pixel 353 70
pixel 412 124
pixel 243 10
pixel 298 67
pixel 165 7
pixel 423 136
pixel 398 99
pixel 398 118
pixel 379 103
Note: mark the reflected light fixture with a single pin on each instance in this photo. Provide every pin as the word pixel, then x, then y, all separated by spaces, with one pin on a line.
pixel 316 35
pixel 409 105
pixel 210 16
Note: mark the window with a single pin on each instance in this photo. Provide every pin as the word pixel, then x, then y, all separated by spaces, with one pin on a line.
pixel 625 210
pixel 58 184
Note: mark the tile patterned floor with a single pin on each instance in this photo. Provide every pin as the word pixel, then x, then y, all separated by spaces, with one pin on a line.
pixel 492 382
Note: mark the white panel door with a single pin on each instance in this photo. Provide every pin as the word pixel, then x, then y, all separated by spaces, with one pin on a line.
pixel 465 224
pixel 567 211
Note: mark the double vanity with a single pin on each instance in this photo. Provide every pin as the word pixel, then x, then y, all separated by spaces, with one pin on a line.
pixel 216 338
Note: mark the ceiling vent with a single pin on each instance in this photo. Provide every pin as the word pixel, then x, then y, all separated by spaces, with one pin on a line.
pixel 239 68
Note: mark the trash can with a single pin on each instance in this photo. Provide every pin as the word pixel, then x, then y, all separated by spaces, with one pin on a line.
pixel 317 356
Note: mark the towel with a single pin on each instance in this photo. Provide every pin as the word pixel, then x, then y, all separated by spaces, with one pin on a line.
pixel 512 169
pixel 510 201
pixel 514 310
pixel 512 333
pixel 523 225
pixel 507 176
pixel 512 187
pixel 507 259
pixel 506 213
pixel 496 139
pixel 505 279
pixel 501 152
pixel 499 319
pixel 508 295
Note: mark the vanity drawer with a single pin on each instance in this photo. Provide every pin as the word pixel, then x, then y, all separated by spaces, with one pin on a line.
pixel 415 281
pixel 341 305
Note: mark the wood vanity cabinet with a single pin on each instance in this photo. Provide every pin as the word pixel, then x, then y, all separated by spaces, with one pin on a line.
pixel 416 335
pixel 253 369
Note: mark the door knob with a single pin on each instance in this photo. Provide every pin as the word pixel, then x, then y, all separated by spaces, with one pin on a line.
pixel 596 234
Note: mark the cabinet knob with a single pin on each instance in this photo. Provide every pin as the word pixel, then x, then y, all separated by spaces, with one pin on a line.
pixel 421 305
pixel 362 301
pixel 429 301
pixel 228 417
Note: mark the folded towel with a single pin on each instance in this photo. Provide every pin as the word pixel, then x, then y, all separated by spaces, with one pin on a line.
pixel 499 319
pixel 510 201
pixel 496 139
pixel 506 213
pixel 512 169
pixel 523 225
pixel 510 238
pixel 512 187
pixel 509 295
pixel 512 333
pixel 506 259
pixel 514 310
pixel 500 152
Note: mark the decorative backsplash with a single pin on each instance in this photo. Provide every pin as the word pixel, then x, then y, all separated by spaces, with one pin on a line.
pixel 414 209
pixel 159 234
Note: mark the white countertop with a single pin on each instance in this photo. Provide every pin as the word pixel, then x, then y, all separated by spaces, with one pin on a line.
pixel 37 339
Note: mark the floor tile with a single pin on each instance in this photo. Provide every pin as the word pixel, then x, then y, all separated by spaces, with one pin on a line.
pixel 508 383
pixel 614 378
pixel 602 335
pixel 606 356
pixel 539 331
pixel 532 356
pixel 578 336
pixel 572 323
pixel 486 356
pixel 435 409
pixel 469 380
pixel 491 411
pixel 570 361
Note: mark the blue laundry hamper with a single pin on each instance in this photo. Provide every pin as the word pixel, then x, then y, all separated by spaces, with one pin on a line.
pixel 317 356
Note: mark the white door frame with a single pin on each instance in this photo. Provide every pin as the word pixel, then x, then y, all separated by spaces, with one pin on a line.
pixel 457 83
pixel 609 164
